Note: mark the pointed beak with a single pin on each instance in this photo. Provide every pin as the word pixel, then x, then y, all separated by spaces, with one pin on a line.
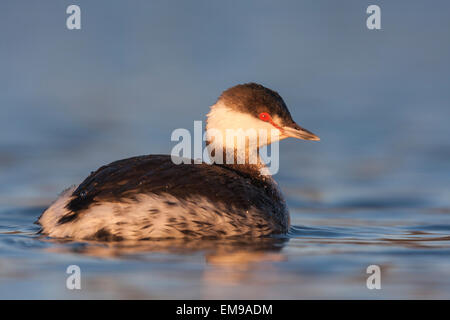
pixel 295 131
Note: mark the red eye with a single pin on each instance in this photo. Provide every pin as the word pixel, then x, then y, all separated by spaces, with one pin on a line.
pixel 264 116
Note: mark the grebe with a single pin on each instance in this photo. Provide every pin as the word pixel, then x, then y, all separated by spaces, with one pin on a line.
pixel 149 197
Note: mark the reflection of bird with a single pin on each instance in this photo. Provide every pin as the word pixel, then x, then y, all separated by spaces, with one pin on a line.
pixel 237 251
pixel 152 197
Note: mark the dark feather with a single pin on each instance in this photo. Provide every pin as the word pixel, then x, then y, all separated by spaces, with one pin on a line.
pixel 157 174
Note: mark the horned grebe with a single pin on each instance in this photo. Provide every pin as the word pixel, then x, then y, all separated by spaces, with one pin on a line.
pixel 149 197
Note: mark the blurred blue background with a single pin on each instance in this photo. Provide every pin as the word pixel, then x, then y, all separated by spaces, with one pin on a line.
pixel 73 100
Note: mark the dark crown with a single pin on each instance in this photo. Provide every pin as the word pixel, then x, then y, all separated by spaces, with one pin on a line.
pixel 254 98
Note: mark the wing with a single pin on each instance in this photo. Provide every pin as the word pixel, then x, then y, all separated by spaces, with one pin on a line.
pixel 157 174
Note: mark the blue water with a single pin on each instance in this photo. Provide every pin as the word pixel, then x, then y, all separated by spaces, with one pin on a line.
pixel 374 191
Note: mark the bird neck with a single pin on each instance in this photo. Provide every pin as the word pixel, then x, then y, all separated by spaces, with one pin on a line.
pixel 232 146
pixel 245 160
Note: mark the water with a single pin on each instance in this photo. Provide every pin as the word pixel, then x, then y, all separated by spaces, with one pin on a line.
pixel 327 259
pixel 374 191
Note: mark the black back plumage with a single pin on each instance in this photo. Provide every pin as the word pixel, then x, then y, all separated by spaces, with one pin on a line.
pixel 123 180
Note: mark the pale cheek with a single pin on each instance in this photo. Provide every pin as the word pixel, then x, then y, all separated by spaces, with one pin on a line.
pixel 268 138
